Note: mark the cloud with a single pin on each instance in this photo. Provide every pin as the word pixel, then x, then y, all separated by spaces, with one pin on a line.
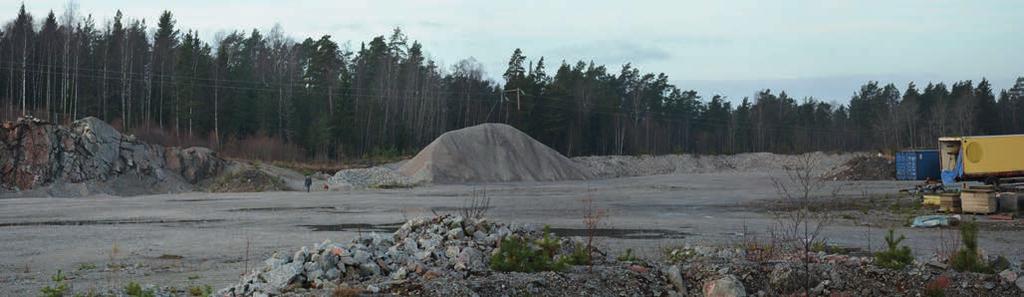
pixel 431 24
pixel 347 27
pixel 612 52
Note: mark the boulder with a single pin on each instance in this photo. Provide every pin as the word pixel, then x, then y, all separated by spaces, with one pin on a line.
pixel 787 278
pixel 675 277
pixel 727 286
pixel 195 163
pixel 34 153
pixel 284 275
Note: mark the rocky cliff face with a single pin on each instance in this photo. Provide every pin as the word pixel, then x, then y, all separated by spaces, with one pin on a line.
pixel 35 154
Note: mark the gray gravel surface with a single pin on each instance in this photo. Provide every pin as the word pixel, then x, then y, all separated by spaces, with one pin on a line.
pixel 202 238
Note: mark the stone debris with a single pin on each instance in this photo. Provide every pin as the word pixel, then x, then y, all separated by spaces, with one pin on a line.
pixel 865 167
pixel 36 154
pixel 373 177
pixel 442 246
pixel 726 286
pixel 448 256
pixel 709 269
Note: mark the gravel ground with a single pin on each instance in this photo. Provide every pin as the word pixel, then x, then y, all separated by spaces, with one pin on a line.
pixel 202 238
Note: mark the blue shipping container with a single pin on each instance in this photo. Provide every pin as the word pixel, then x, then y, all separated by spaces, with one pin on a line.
pixel 917 165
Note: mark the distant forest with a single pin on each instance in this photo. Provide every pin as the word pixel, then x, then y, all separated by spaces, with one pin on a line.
pixel 311 99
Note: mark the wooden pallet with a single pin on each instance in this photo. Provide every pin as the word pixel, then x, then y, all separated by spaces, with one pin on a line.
pixel 978 201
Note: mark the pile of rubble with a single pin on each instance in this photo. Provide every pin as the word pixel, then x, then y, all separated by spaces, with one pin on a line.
pixel 864 167
pixel 449 255
pixel 36 154
pixel 373 177
pixel 827 275
pixel 441 246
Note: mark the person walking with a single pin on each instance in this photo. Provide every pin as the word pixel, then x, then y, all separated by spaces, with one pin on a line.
pixel 309 183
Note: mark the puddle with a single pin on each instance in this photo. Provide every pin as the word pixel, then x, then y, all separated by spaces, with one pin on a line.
pixel 382 228
pixel 623 233
pixel 283 208
pixel 450 209
pixel 203 199
pixel 108 222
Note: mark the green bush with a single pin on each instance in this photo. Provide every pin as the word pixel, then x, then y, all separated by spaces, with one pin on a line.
pixel 516 254
pixel 967 258
pixel 579 256
pixel 679 255
pixel 627 256
pixel 133 289
pixel 200 291
pixel 60 286
pixel 549 243
pixel 896 256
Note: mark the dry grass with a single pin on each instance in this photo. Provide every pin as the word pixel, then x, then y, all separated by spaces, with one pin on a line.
pixel 477 205
pixel 342 291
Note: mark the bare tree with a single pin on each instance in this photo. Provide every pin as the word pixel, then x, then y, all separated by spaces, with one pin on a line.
pixel 803 216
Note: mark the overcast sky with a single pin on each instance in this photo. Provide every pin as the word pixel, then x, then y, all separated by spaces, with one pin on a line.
pixel 825 49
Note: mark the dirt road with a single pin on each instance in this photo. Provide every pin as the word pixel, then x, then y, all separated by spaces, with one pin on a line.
pixel 200 238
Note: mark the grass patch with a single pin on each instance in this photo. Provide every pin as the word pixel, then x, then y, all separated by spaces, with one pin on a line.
pixel 627 256
pixel 59 288
pixel 679 255
pixel 133 289
pixel 200 291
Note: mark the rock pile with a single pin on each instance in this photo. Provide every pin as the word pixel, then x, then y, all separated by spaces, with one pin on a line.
pixel 34 154
pixel 865 167
pixel 373 177
pixel 712 270
pixel 421 248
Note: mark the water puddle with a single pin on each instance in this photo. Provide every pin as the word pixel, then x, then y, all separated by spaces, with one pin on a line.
pixel 327 208
pixel 622 233
pixel 381 228
pixel 108 222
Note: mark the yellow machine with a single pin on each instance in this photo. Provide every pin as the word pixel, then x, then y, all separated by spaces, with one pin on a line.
pixel 981 158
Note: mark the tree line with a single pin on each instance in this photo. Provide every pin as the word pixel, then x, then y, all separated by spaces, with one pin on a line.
pixel 332 101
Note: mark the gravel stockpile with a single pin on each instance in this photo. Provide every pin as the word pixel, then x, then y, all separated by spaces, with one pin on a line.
pixel 489 153
pixel 865 167
pixel 373 177
pixel 624 166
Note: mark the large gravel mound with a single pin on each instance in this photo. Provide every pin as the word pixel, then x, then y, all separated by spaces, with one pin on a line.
pixel 490 153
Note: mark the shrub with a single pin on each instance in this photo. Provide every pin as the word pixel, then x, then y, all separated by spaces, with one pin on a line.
pixel 627 256
pixel 200 291
pixel 896 256
pixel 60 286
pixel 133 289
pixel 579 256
pixel 967 258
pixel 549 244
pixel 516 254
pixel 679 255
